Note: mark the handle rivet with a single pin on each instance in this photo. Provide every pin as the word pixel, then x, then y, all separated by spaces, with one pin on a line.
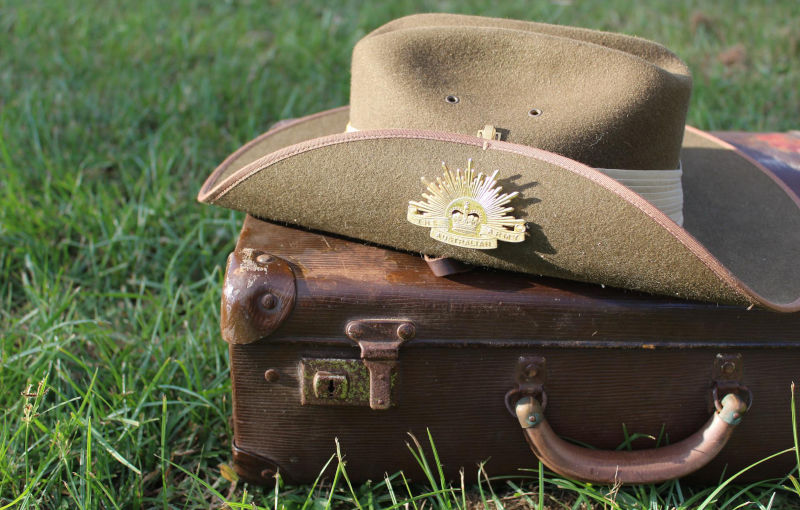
pixel 272 375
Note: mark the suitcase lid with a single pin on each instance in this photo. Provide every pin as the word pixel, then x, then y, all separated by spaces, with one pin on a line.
pixel 297 285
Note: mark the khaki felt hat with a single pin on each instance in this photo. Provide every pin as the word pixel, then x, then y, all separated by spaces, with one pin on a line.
pixel 543 149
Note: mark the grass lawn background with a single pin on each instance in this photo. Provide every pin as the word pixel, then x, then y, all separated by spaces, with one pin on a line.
pixel 114 379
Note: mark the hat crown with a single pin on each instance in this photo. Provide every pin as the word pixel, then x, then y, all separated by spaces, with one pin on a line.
pixel 607 100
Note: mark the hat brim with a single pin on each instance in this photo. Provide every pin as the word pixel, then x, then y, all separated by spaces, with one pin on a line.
pixel 740 241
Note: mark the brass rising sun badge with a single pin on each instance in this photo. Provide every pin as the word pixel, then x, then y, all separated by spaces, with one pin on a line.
pixel 466 210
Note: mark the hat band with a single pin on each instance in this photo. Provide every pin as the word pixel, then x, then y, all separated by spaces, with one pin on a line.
pixel 662 188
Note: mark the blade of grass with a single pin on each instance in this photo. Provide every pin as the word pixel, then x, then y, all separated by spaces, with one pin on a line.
pixel 540 504
pixel 437 461
pixel 316 481
pixel 86 493
pixel 164 501
pixel 390 489
pixel 463 490
pixel 212 490
pixel 332 490
pixel 344 475
pixel 97 437
pixel 519 492
pixel 480 490
pixel 495 499
pixel 408 491
pixel 277 489
pixel 794 431
pixel 730 480
pixel 795 484
pixel 422 460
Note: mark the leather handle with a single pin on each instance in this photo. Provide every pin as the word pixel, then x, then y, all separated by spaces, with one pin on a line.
pixel 634 467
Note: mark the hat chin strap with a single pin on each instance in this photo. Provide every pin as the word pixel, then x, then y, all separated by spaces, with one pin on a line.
pixel 662 188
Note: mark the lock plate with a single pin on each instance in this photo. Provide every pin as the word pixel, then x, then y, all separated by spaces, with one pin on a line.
pixel 334 382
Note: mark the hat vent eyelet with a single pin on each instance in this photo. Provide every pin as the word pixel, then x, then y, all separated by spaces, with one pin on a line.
pixel 534 112
pixel 451 99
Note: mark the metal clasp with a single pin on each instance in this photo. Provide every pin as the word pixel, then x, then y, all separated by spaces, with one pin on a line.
pixel 358 382
pixel 380 341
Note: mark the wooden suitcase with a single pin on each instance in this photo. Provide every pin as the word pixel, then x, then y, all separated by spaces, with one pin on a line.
pixel 333 339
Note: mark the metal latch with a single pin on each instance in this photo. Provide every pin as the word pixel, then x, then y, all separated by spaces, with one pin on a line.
pixel 368 381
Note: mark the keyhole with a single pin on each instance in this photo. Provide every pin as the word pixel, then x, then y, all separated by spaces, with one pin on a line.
pixel 330 386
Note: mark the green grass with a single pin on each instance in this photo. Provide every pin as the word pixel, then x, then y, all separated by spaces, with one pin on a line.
pixel 115 390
